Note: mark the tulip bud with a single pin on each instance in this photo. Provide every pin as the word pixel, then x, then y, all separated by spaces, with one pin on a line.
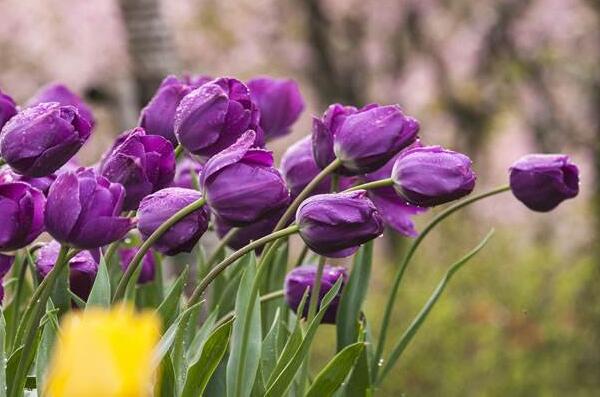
pixel 61 94
pixel 21 215
pixel 158 116
pixel 543 181
pixel 8 108
pixel 83 267
pixel 429 176
pixel 213 116
pixel 39 140
pixel 6 262
pixel 280 104
pixel 241 184
pixel 186 171
pixel 299 168
pixel 142 163
pixel 335 224
pixel 369 139
pixel 156 208
pixel 302 278
pixel 148 264
pixel 83 210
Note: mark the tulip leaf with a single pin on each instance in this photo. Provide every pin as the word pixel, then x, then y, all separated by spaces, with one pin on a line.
pixel 202 370
pixel 275 280
pixel 359 383
pixel 246 339
pixel 178 353
pixel 200 338
pixel 2 355
pixel 167 378
pixel 100 294
pixel 331 377
pixel 168 308
pixel 269 354
pixel 279 382
pixel 167 340
pixel 353 296
pixel 412 329
pixel 44 351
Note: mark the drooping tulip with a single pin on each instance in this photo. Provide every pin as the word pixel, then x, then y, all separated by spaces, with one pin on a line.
pixel 299 168
pixel 21 215
pixel 241 185
pixel 543 181
pixel 83 209
pixel 41 139
pixel 430 175
pixel 55 92
pixel 142 163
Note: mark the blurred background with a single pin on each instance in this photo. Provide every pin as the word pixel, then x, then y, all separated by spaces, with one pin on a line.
pixel 493 78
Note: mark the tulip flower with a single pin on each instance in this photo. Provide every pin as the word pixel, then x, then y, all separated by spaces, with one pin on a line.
pixel 148 264
pixel 104 353
pixel 156 208
pixel 6 262
pixel 213 116
pixel 299 168
pixel 8 108
pixel 158 116
pixel 83 267
pixel 543 181
pixel 187 170
pixel 59 93
pixel 429 176
pixel 302 278
pixel 142 163
pixel 333 225
pixel 280 104
pixel 41 139
pixel 83 210
pixel 21 215
pixel 241 185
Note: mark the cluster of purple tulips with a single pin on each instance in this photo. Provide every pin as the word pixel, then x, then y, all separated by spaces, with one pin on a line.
pixel 197 162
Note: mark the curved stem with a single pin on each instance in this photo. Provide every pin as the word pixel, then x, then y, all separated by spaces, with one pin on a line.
pixel 178 151
pixel 162 229
pixel 372 185
pixel 315 291
pixel 215 271
pixel 263 299
pixel 221 246
pixel 411 251
pixel 39 299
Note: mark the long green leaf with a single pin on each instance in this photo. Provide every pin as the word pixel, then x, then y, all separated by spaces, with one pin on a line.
pixel 353 296
pixel 178 351
pixel 100 294
pixel 412 329
pixel 280 382
pixel 167 340
pixel 241 373
pixel 200 338
pixel 44 351
pixel 269 354
pixel 168 308
pixel 334 373
pixel 202 370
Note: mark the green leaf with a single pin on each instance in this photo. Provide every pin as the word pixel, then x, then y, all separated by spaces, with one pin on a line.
pixel 280 382
pixel 167 340
pixel 202 370
pixel 334 373
pixel 44 351
pixel 178 353
pixel 270 351
pixel 275 279
pixel 168 308
pixel 353 296
pixel 200 338
pixel 100 294
pixel 60 291
pixel 359 382
pixel 167 378
pixel 3 360
pixel 412 329
pixel 241 372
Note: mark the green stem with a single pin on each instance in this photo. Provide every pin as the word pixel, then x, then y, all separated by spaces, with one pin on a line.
pixel 39 299
pixel 411 251
pixel 215 271
pixel 221 246
pixel 314 293
pixel 162 229
pixel 22 270
pixel 178 151
pixel 372 185
pixel 263 299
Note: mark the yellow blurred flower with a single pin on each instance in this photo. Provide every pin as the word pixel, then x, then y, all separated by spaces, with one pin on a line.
pixel 104 353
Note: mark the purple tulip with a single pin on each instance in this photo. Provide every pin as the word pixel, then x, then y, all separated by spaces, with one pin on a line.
pixel 369 139
pixel 41 139
pixel 187 170
pixel 335 224
pixel 280 104
pixel 6 262
pixel 246 234
pixel 158 116
pixel 8 108
pixel 83 210
pixel 196 80
pixel 83 267
pixel 61 94
pixel 148 264
pixel 302 278
pixel 241 184
pixel 142 163
pixel 213 116
pixel 156 208
pixel 42 183
pixel 299 168
pixel 429 176
pixel 543 181
pixel 21 215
